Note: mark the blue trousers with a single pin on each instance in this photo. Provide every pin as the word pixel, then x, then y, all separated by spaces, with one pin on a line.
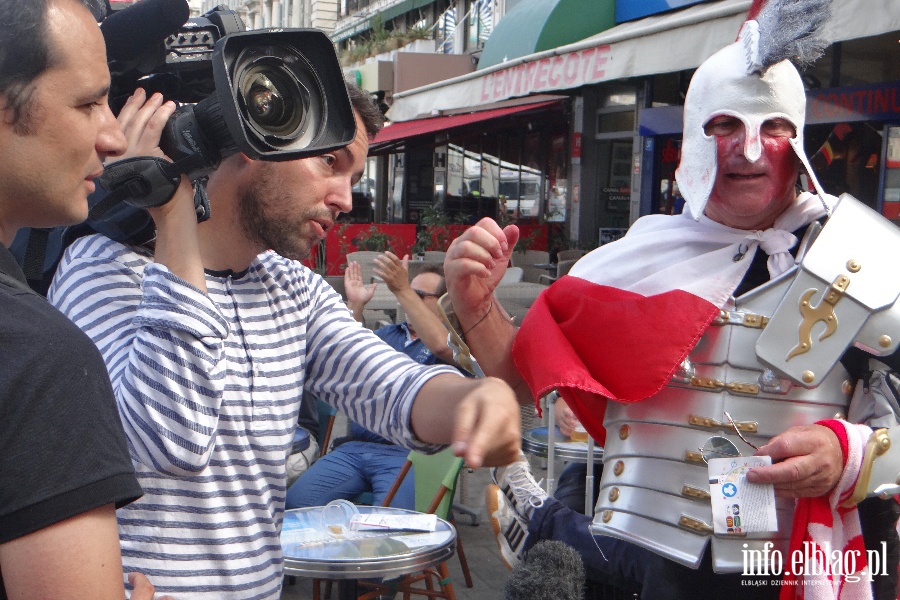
pixel 350 470
pixel 570 486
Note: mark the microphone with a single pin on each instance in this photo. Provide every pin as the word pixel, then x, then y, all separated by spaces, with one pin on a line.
pixel 551 571
pixel 131 31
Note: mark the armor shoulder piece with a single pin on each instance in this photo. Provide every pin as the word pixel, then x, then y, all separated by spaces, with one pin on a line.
pixel 844 293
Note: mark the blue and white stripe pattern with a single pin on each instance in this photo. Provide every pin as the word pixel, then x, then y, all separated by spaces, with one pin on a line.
pixel 208 388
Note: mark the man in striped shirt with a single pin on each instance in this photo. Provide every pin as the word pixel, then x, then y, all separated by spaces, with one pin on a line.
pixel 210 338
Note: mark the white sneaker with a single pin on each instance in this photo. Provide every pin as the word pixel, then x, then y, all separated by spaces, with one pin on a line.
pixel 523 493
pixel 509 530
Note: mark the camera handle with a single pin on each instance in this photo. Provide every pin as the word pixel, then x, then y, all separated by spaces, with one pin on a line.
pixel 145 182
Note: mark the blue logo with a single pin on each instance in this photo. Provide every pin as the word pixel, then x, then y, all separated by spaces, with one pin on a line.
pixel 729 489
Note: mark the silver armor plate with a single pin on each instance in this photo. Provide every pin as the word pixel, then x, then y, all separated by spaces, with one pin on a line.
pixel 654 490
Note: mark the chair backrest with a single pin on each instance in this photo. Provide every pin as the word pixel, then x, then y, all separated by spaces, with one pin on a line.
pixel 564 266
pixel 435 256
pixel 527 260
pixel 326 424
pixel 432 472
pixel 337 282
pixel 366 260
pixel 573 254
pixel 512 275
pixel 435 484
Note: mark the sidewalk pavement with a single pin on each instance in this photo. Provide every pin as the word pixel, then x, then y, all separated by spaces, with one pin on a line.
pixel 489 573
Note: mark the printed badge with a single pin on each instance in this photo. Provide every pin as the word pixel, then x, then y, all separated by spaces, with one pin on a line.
pixel 740 506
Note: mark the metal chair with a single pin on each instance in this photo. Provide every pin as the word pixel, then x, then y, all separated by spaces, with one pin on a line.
pixel 562 267
pixel 436 477
pixel 527 260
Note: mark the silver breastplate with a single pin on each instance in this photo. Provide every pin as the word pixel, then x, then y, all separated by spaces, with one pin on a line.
pixel 654 490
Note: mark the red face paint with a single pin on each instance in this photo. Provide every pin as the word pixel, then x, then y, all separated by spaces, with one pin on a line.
pixel 751 195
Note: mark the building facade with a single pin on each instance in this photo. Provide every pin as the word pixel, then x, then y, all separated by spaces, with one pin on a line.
pixel 622 92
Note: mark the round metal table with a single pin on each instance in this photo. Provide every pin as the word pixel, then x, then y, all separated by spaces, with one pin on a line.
pixel 376 556
pixel 534 442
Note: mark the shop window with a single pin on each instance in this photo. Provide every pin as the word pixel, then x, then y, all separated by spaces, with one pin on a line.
pixel 846 158
pixel 668 199
pixel 866 60
pixel 480 23
pixel 615 122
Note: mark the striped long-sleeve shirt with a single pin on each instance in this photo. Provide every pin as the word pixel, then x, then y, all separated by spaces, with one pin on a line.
pixel 208 388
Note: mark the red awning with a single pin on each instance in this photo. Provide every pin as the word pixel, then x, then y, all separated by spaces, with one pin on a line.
pixel 404 130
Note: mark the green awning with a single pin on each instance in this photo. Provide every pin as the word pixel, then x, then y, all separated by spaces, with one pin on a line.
pixel 537 25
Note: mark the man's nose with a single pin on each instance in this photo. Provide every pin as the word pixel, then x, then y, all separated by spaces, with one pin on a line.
pixel 110 139
pixel 752 144
pixel 341 197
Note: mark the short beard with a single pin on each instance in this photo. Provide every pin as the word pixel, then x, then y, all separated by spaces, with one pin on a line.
pixel 271 231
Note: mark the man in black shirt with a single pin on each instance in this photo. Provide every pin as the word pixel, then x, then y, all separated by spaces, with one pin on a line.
pixel 64 462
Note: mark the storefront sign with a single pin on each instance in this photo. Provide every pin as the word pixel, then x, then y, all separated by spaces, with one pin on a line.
pixel 878 102
pixel 628 10
pixel 563 71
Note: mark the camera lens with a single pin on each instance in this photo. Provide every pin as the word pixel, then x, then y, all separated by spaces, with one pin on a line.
pixel 280 95
pixel 275 103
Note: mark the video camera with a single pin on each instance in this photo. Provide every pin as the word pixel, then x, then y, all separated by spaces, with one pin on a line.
pixel 274 94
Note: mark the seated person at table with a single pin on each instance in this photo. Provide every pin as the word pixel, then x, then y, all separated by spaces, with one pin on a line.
pixel 365 461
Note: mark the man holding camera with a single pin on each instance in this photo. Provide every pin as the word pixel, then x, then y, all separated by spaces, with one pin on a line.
pixel 64 463
pixel 210 337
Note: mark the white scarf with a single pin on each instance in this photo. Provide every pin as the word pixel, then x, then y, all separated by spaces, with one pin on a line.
pixel 662 253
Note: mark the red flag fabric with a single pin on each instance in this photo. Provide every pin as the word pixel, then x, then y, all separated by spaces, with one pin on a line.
pixel 593 342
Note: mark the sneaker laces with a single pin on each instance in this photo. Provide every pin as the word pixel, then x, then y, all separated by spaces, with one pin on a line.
pixel 525 488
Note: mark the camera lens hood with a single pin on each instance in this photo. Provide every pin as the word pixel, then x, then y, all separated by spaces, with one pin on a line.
pixel 282 94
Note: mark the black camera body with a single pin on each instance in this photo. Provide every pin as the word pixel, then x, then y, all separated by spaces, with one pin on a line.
pixel 275 94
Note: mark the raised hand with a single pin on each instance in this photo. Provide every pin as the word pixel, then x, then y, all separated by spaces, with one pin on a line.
pixel 474 265
pixel 358 293
pixel 393 270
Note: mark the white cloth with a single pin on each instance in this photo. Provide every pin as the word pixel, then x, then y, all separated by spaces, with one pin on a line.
pixel 661 253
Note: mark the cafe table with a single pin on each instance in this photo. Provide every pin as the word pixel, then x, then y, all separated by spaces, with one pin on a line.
pixel 313 550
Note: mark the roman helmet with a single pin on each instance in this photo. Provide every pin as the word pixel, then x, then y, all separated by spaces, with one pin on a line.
pixel 754 80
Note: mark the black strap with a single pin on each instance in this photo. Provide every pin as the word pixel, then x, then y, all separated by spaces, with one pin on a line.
pixel 35 255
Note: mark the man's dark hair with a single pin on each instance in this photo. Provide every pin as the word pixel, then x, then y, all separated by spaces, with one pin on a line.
pixel 437 270
pixel 25 50
pixel 362 102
